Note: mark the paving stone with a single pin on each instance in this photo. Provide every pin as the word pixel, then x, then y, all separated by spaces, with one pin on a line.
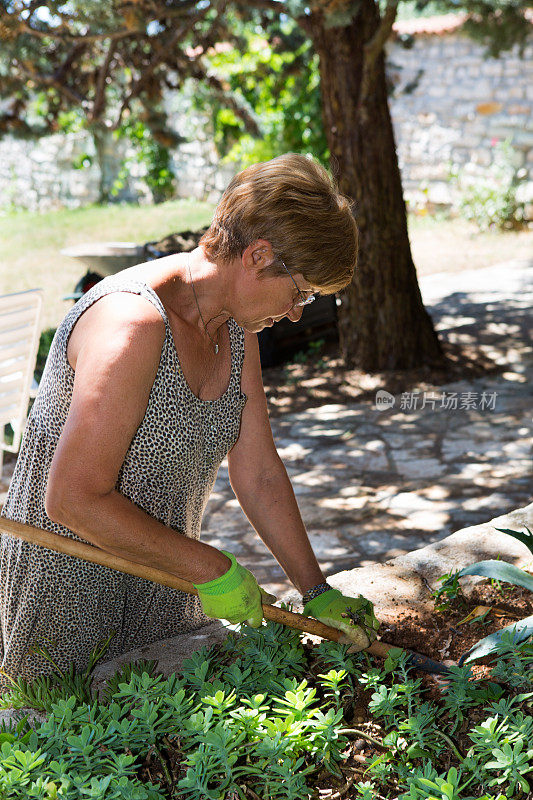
pixel 13 715
pixel 434 492
pixel 326 546
pixel 517 450
pixel 469 471
pixel 300 490
pixel 425 468
pixel 395 440
pixel 409 502
pixel 453 449
pixel 169 653
pixel 382 542
pixel 293 451
pixel 313 478
pixel 362 459
pixel 495 500
pixel 343 503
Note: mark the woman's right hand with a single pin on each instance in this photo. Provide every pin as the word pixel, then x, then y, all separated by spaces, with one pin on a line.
pixel 234 596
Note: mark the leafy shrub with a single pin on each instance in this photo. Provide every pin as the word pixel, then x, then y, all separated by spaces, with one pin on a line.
pixel 148 151
pixel 45 342
pixel 492 200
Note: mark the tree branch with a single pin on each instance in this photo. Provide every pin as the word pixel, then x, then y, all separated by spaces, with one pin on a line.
pixel 157 61
pixel 222 91
pixel 66 36
pixel 62 70
pixel 372 50
pixel 99 97
pixel 49 80
pixel 268 5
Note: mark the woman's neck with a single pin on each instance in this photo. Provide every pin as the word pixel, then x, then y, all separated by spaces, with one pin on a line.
pixel 193 288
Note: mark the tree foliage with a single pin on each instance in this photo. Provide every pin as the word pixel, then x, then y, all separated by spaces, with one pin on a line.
pixel 89 64
pixel 97 64
pixel 92 63
pixel 105 68
pixel 272 71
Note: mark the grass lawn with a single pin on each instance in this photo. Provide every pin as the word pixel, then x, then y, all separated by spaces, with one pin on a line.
pixel 31 243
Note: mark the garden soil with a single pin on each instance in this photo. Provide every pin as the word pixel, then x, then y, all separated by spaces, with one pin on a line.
pixel 443 636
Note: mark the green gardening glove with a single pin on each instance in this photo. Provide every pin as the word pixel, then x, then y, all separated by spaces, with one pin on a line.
pixel 352 615
pixel 234 596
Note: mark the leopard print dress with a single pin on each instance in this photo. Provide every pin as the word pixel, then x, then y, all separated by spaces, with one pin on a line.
pixel 66 604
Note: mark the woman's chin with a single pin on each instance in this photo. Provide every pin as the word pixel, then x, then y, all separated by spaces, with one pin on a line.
pixel 259 325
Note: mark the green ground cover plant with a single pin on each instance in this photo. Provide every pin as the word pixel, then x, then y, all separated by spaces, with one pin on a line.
pixel 493 199
pixel 265 715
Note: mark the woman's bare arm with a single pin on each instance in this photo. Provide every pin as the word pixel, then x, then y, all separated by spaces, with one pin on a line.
pixel 115 349
pixel 262 486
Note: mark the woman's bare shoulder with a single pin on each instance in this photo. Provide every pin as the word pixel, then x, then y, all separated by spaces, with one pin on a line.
pixel 120 307
pixel 117 320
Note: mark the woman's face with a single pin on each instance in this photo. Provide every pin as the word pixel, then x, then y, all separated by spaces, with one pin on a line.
pixel 265 299
pixel 275 298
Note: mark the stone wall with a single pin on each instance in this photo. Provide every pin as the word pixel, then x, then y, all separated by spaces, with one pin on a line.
pixel 196 163
pixel 41 175
pixel 450 105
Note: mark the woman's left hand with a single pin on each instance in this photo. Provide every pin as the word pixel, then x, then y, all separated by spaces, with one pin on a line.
pixel 354 616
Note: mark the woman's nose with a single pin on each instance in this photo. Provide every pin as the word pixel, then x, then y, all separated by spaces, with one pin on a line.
pixel 295 313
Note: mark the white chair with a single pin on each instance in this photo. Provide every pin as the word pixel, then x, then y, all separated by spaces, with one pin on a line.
pixel 20 329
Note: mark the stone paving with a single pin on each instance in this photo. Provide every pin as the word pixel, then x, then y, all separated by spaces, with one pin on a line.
pixel 375 483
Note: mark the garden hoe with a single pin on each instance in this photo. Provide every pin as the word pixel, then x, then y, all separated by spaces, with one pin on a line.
pixel 87 552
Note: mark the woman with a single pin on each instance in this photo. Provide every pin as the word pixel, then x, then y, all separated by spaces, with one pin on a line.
pixel 152 379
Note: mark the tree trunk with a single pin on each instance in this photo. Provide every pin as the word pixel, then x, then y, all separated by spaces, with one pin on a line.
pixel 382 322
pixel 107 160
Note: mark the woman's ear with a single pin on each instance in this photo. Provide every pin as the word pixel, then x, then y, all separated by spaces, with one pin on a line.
pixel 258 255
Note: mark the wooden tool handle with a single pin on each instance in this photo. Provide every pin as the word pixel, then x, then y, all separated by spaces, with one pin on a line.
pixel 72 547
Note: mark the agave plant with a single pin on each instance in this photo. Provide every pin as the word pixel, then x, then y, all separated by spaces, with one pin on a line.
pixel 508 573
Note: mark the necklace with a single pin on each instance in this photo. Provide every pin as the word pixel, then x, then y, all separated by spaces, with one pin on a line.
pixel 215 344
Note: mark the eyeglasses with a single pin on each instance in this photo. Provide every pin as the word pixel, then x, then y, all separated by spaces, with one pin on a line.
pixel 304 301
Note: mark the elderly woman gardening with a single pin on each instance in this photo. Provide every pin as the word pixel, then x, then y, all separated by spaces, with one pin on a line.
pixel 152 379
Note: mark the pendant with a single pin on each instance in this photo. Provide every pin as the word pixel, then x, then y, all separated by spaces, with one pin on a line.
pixel 216 349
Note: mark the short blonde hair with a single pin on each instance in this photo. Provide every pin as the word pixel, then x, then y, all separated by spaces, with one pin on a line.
pixel 293 203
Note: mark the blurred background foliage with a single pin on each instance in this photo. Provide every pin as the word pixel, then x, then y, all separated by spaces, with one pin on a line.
pixel 273 70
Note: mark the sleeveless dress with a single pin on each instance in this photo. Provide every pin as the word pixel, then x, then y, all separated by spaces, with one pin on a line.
pixel 66 604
